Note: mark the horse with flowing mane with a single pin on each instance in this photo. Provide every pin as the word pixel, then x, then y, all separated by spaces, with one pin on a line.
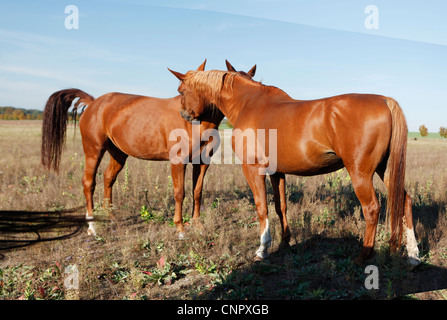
pixel 364 133
pixel 126 125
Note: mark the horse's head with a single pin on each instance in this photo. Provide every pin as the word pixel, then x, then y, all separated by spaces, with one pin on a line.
pixel 194 104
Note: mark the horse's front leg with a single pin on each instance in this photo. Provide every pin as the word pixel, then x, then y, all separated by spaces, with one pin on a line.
pixel 198 173
pixel 257 186
pixel 178 179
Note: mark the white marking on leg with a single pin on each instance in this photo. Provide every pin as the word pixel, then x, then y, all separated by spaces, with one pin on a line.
pixel 412 248
pixel 91 229
pixel 266 240
pixel 88 217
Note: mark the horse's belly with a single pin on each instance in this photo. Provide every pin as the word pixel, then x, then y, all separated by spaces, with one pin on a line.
pixel 305 164
pixel 143 146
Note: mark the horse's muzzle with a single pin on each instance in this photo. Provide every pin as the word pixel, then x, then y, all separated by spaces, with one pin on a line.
pixel 185 115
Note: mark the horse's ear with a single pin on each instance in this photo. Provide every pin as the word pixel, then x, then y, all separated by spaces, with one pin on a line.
pixel 252 71
pixel 202 66
pixel 229 66
pixel 179 75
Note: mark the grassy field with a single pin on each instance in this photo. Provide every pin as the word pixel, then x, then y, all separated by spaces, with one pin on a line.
pixel 43 233
pixel 431 135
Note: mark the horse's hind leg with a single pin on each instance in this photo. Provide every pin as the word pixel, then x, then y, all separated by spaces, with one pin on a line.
pixel 92 159
pixel 279 194
pixel 116 164
pixel 364 190
pixel 412 247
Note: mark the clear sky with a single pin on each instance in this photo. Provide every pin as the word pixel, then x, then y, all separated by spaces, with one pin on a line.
pixel 310 49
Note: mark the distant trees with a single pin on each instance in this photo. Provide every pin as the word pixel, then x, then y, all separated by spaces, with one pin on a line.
pixel 443 132
pixel 423 131
pixel 11 113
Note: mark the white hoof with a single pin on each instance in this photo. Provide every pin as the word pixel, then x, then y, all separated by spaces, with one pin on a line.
pixel 266 240
pixel 261 255
pixel 181 235
pixel 91 229
pixel 414 261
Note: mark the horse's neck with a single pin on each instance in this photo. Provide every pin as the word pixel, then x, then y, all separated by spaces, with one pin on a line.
pixel 213 116
pixel 246 94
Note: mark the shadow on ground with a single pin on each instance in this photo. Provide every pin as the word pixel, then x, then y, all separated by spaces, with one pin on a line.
pixel 25 228
pixel 323 268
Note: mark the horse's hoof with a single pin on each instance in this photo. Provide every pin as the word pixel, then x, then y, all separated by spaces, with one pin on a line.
pixel 91 229
pixel 260 256
pixel 91 232
pixel 414 262
pixel 181 235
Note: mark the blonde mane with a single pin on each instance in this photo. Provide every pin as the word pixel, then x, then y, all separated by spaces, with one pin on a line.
pixel 210 83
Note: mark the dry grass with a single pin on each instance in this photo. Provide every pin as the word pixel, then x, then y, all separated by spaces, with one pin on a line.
pixel 139 257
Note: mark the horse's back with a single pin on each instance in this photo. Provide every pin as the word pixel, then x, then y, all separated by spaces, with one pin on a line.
pixel 345 129
pixel 137 125
pixel 113 104
pixel 318 136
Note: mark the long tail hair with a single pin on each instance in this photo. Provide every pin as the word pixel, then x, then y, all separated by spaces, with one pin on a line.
pixel 54 125
pixel 396 172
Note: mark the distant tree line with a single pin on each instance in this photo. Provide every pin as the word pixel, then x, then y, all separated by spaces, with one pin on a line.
pixel 11 113
pixel 424 131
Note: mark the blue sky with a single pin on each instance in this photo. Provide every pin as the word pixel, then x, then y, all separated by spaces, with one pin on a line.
pixel 310 49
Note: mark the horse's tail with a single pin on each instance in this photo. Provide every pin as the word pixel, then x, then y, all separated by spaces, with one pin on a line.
pixel 395 172
pixel 54 125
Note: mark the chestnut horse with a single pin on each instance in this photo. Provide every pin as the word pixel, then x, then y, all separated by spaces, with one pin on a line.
pixel 364 133
pixel 125 125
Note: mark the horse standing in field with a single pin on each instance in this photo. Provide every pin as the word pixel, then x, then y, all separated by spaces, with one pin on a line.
pixel 126 125
pixel 363 132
